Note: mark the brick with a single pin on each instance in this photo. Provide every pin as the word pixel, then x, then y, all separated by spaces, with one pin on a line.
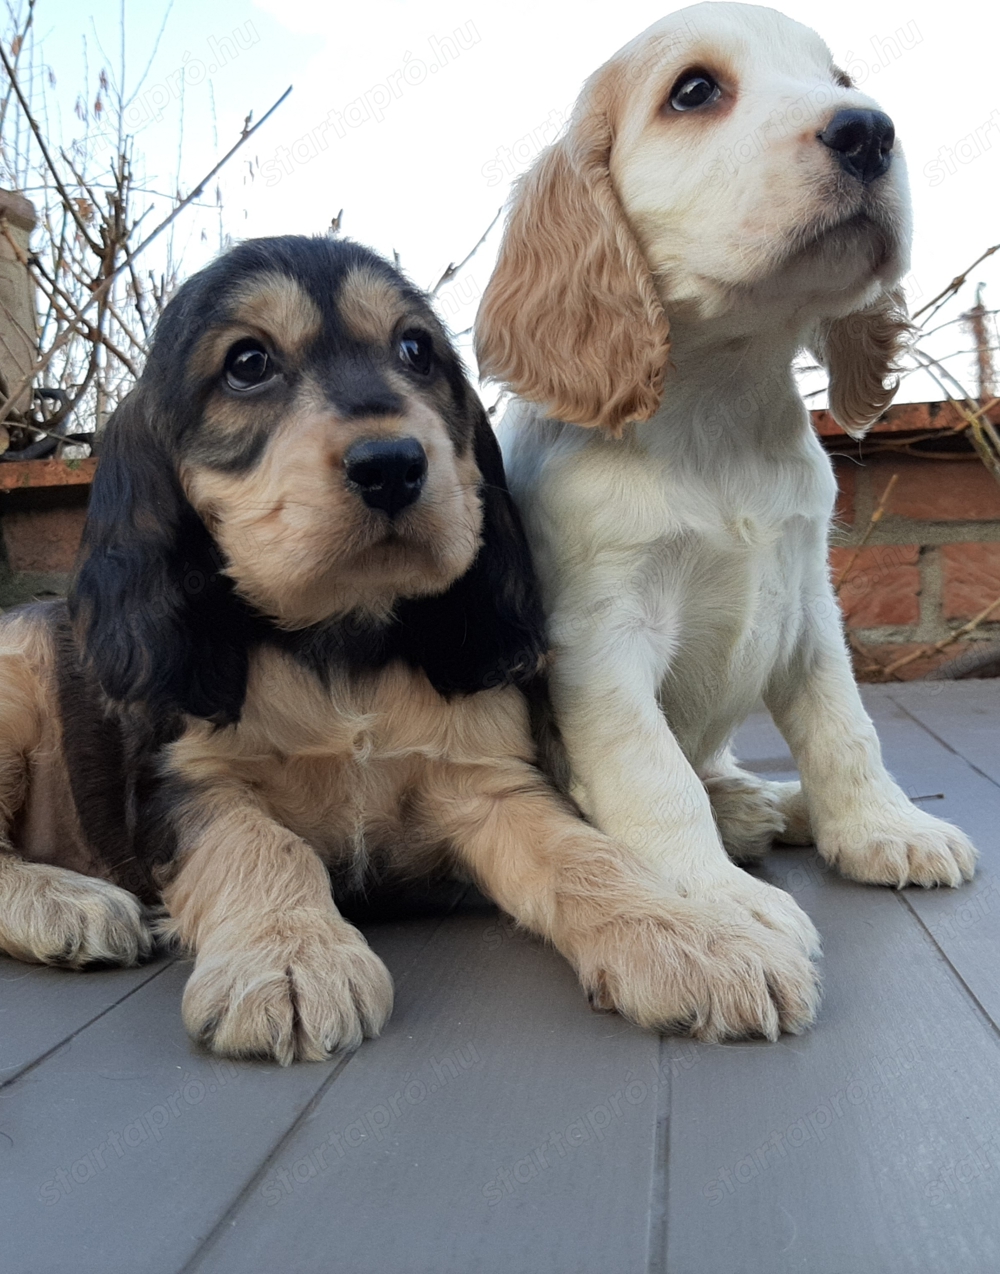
pixel 846 473
pixel 42 539
pixel 971 579
pixel 939 490
pixel 883 586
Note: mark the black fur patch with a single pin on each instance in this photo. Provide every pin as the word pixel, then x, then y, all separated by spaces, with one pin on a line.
pixel 111 758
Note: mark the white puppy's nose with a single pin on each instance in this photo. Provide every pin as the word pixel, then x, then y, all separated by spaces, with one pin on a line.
pixel 862 142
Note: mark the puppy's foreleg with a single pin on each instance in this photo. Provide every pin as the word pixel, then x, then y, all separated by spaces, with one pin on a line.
pixel 635 783
pixel 49 915
pixel 708 966
pixel 862 821
pixel 278 972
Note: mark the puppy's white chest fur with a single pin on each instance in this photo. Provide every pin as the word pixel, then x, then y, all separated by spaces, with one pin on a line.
pixel 716 562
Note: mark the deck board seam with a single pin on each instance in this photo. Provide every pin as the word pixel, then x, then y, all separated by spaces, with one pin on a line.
pixel 991 1022
pixel 944 742
pixel 42 1057
pixel 262 1168
pixel 246 1190
pixel 659 1191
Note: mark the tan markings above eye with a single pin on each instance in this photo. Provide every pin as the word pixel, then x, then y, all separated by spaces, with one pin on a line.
pixel 370 306
pixel 276 304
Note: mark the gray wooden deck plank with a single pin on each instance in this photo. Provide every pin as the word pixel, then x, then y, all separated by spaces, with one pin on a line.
pixel 178 1133
pixel 872 1143
pixel 41 1007
pixel 504 1057
pixel 965 714
pixel 964 922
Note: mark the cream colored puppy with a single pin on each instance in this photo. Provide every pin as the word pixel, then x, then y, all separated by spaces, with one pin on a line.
pixel 724 197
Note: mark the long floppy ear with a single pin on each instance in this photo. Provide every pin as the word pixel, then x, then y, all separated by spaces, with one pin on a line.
pixel 488 629
pixel 156 618
pixel 570 318
pixel 861 353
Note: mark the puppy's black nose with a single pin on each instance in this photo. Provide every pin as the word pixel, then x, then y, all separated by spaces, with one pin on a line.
pixel 863 142
pixel 387 472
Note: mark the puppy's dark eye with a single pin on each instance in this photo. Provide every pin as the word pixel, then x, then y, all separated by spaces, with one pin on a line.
pixel 248 364
pixel 416 350
pixel 694 89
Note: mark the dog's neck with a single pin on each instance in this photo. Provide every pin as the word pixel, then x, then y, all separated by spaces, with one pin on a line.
pixel 729 384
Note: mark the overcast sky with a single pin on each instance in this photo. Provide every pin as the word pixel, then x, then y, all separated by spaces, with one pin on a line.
pixel 414 118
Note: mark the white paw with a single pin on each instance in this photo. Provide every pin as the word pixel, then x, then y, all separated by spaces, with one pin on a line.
pixel 298 989
pixel 731 960
pixel 752 814
pixel 899 845
pixel 49 915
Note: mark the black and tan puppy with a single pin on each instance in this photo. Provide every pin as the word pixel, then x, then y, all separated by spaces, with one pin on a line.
pixel 297 647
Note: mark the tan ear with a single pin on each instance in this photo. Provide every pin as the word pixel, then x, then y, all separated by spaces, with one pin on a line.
pixel 570 318
pixel 861 353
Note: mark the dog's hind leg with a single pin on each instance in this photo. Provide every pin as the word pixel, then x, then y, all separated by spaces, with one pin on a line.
pixel 48 914
pixel 753 813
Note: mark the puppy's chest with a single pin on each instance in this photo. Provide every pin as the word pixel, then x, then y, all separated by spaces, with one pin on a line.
pixel 340 762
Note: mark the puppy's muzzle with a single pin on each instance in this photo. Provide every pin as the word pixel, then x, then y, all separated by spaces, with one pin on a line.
pixel 388 473
pixel 862 142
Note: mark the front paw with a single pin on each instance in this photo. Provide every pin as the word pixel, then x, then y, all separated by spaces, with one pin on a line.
pixel 899 846
pixel 730 960
pixel 301 988
pixel 55 916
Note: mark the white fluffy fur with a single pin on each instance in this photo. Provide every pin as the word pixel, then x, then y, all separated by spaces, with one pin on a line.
pixel 685 564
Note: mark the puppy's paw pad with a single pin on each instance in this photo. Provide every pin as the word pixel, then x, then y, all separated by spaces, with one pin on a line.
pixel 298 996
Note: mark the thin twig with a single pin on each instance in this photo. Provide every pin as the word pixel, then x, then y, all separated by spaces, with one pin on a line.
pixel 954 285
pixel 54 294
pixel 453 269
pixel 50 162
pixel 982 431
pixel 890 670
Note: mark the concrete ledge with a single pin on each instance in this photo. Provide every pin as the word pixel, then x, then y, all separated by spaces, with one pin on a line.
pixel 16 475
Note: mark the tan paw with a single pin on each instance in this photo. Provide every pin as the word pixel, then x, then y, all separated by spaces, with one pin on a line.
pixel 49 915
pixel 732 962
pixel 899 846
pixel 301 989
pixel 752 814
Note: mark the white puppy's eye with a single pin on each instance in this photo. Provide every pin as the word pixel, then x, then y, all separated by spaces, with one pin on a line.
pixel 694 89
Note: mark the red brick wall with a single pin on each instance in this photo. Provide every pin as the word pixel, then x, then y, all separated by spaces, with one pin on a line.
pixel 933 560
